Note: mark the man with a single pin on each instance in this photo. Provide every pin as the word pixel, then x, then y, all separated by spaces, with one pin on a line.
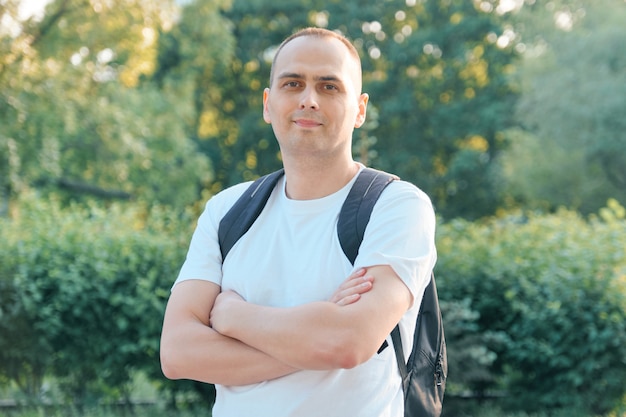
pixel 286 326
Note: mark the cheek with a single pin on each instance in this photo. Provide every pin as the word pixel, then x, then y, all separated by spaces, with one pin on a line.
pixel 351 118
pixel 275 111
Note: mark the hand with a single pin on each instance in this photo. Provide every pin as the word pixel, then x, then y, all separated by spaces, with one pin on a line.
pixel 352 288
pixel 221 310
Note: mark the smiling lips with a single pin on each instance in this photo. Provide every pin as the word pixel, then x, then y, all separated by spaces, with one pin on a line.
pixel 307 123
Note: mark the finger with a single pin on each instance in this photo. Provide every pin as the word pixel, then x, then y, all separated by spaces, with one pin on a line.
pixel 356 274
pixel 356 285
pixel 355 279
pixel 357 288
pixel 349 300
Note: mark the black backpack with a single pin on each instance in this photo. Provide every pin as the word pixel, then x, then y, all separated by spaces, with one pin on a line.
pixel 424 376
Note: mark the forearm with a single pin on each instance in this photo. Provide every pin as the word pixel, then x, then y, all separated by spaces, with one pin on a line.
pixel 318 335
pixel 339 333
pixel 191 349
pixel 199 353
pixel 311 336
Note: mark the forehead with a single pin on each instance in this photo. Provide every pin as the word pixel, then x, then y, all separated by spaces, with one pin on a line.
pixel 318 57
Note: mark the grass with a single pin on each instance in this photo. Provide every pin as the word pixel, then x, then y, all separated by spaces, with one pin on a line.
pixel 154 405
pixel 104 411
pixel 470 410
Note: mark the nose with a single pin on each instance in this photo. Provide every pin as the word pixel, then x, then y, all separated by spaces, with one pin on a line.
pixel 308 99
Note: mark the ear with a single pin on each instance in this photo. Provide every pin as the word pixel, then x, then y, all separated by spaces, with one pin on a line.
pixel 360 117
pixel 266 113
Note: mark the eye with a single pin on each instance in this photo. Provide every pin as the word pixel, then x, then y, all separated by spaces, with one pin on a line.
pixel 330 87
pixel 292 84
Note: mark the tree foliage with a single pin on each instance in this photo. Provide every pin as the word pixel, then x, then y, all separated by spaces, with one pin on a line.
pixel 84 304
pixel 443 98
pixel 75 115
pixel 99 100
pixel 571 151
pixel 552 290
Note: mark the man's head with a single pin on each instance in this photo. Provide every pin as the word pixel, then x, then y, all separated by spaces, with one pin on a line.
pixel 314 101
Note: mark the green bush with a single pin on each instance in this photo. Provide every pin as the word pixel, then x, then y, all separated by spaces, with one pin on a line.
pixel 553 289
pixel 534 306
pixel 82 293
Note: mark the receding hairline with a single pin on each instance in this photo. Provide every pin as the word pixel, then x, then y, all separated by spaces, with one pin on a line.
pixel 318 33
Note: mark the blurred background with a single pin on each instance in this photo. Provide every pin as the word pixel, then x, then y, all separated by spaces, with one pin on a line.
pixel 120 118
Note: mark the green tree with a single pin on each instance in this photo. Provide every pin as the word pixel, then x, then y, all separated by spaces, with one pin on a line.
pixel 571 150
pixel 75 115
pixel 442 91
pixel 197 58
pixel 436 78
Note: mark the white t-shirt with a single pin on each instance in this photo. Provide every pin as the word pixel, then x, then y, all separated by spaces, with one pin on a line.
pixel 291 255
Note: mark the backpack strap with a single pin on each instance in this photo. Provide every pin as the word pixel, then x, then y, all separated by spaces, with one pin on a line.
pixel 357 209
pixel 397 347
pixel 430 306
pixel 245 211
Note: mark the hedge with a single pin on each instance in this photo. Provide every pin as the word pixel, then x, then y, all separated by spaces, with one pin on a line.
pixel 82 295
pixel 534 304
pixel 548 294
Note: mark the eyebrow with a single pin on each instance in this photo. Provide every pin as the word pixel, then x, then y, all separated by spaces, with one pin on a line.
pixel 329 78
pixel 289 75
pixel 301 76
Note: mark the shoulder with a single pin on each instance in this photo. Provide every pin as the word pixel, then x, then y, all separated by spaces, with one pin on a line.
pixel 230 194
pixel 405 194
pixel 405 209
pixel 400 186
pixel 217 206
pixel 203 261
pixel 220 203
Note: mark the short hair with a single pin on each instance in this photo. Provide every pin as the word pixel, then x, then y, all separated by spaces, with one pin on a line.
pixel 319 33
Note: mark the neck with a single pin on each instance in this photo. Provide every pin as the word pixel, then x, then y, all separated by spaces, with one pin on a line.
pixel 312 181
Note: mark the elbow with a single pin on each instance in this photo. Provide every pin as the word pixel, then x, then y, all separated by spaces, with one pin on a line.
pixel 344 354
pixel 168 371
pixel 169 366
pixel 349 360
pixel 353 356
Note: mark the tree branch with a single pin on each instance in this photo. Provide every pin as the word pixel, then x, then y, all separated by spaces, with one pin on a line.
pixel 83 188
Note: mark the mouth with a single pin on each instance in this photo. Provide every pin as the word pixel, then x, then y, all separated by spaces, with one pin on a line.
pixel 307 123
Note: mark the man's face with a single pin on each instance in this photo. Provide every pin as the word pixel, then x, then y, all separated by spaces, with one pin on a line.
pixel 315 102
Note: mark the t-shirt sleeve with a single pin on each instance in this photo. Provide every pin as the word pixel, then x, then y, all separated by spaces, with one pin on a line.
pixel 204 259
pixel 401 234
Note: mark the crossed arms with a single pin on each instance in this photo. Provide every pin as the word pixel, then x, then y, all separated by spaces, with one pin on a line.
pixel 218 337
